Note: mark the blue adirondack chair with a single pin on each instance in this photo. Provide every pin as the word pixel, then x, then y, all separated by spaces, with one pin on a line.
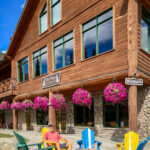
pixel 143 143
pixel 88 140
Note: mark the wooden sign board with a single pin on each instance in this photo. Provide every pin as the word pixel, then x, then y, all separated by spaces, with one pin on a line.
pixel 51 80
pixel 134 81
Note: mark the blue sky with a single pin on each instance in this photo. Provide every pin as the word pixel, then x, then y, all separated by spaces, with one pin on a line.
pixel 10 11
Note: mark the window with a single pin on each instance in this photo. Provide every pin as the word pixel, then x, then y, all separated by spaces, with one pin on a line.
pixel 55 11
pixel 23 74
pixel 41 117
pixel 43 20
pixel 97 35
pixel 115 115
pixel 63 51
pixel 40 62
pixel 145 29
pixel 83 116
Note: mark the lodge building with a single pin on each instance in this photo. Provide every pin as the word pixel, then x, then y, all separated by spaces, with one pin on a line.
pixel 84 44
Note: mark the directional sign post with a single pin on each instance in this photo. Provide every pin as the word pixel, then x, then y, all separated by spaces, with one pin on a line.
pixel 134 81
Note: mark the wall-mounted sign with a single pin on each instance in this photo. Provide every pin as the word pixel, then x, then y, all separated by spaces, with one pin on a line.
pixel 133 81
pixel 51 80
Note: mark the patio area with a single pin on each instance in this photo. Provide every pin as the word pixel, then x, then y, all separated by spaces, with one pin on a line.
pixel 35 137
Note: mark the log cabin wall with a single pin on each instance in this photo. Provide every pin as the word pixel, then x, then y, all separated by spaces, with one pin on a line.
pixel 74 14
pixel 143 56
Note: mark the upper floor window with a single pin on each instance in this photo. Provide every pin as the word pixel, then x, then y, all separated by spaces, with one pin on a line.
pixel 55 11
pixel 43 20
pixel 63 51
pixel 40 62
pixel 98 35
pixel 22 67
pixel 145 29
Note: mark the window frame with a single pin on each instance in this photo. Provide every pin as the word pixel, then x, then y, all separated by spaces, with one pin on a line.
pixel 62 43
pixel 42 14
pixel 84 115
pixel 23 69
pixel 37 111
pixel 52 6
pixel 96 26
pixel 39 55
pixel 117 113
pixel 147 20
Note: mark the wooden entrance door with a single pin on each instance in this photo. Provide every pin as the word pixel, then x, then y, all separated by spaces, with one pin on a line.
pixel 28 120
pixel 61 121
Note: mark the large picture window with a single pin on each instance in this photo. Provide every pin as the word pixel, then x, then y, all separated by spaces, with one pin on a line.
pixel 145 30
pixel 23 73
pixel 42 117
pixel 83 116
pixel 115 115
pixel 63 51
pixel 40 62
pixel 43 20
pixel 55 11
pixel 98 35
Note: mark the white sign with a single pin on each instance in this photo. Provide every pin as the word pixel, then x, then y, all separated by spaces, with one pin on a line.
pixel 133 81
pixel 51 80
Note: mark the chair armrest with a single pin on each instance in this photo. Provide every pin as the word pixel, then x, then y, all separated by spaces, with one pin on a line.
pixel 80 142
pixel 34 144
pixel 98 144
pixel 119 145
pixel 47 148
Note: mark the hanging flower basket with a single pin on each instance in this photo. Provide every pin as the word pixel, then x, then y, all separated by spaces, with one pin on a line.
pixel 41 103
pixel 27 104
pixel 115 92
pixel 82 97
pixel 5 105
pixel 17 106
pixel 58 102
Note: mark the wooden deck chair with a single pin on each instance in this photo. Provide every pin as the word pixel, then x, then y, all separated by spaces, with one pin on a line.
pixel 131 141
pixel 43 131
pixel 88 140
pixel 23 146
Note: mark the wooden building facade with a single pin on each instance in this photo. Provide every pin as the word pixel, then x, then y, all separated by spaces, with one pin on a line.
pixel 90 43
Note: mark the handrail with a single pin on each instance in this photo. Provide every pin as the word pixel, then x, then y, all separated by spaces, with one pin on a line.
pixel 8 85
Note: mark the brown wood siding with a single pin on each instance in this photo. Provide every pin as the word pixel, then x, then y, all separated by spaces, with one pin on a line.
pixel 74 14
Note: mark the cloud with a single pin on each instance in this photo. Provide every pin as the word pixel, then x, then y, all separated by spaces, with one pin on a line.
pixel 4 51
pixel 22 5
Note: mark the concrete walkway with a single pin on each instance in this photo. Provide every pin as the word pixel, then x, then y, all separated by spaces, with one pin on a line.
pixel 35 137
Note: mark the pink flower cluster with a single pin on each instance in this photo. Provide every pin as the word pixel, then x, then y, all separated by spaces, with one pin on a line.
pixel 5 105
pixel 115 92
pixel 27 104
pixel 82 97
pixel 41 103
pixel 58 101
pixel 17 106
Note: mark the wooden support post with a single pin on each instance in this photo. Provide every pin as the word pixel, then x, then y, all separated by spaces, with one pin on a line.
pixel 15 119
pixel 132 104
pixel 132 61
pixel 52 113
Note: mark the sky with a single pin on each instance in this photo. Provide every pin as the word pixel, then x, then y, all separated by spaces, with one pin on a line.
pixel 10 12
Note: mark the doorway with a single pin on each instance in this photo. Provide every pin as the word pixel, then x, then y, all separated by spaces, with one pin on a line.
pixel 28 120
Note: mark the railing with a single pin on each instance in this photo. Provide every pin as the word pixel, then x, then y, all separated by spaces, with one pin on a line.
pixel 7 85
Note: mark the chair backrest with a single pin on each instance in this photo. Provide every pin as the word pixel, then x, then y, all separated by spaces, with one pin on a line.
pixel 44 130
pixel 20 138
pixel 88 138
pixel 131 141
pixel 143 143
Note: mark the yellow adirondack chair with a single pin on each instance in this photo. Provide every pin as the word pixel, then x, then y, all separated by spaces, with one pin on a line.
pixel 131 141
pixel 43 131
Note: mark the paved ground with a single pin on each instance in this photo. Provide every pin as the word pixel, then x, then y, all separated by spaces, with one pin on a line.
pixel 35 137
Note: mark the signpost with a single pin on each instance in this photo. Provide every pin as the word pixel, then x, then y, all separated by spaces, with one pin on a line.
pixel 134 81
pixel 51 80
